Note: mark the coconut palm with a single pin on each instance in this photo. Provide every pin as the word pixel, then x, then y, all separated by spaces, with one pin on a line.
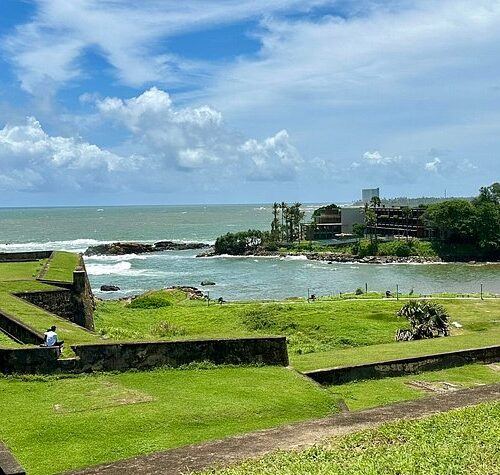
pixel 427 320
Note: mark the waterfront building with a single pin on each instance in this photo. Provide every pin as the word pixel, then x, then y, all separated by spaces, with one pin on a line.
pixel 368 193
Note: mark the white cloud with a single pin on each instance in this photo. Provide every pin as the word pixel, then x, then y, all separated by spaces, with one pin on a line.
pixel 162 143
pixel 433 166
pixel 196 138
pixel 125 33
pixel 33 160
pixel 376 158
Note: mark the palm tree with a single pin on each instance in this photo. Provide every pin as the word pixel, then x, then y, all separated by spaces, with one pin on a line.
pixel 427 320
pixel 275 225
pixel 375 203
pixel 283 207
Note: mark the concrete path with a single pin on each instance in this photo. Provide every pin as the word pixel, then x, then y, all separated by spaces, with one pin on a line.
pixel 303 434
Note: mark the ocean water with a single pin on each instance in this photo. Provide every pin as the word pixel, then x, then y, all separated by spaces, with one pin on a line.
pixel 237 278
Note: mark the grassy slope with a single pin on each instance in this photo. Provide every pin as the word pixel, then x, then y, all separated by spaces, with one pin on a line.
pixel 70 418
pixel 321 334
pixel 18 277
pixel 61 266
pixel 364 394
pixel 10 271
pixel 457 442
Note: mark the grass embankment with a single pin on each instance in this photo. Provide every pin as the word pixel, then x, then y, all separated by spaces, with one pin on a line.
pixel 457 442
pixel 320 334
pixel 19 277
pixel 142 412
pixel 371 393
pixel 60 267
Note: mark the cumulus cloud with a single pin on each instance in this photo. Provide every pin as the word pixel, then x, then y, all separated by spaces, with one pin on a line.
pixel 162 140
pixel 196 138
pixel 33 160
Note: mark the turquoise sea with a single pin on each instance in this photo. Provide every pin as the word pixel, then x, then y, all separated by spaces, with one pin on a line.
pixel 237 278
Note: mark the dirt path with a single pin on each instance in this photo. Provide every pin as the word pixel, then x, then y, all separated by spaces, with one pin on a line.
pixel 235 449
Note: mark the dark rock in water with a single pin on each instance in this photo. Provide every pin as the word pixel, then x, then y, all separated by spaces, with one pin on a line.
pixel 109 288
pixel 178 246
pixel 207 282
pixel 120 248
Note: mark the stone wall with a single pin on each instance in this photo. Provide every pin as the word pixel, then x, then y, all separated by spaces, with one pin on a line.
pixel 24 256
pixel 8 464
pixel 28 360
pixel 76 303
pixel 401 367
pixel 19 330
pixel 59 302
pixel 147 355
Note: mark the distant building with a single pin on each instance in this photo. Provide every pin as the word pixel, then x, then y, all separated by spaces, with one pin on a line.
pixel 331 222
pixel 400 221
pixel 368 193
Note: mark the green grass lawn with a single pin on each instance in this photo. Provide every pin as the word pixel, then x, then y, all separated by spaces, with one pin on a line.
pixel 20 270
pixel 6 342
pixel 61 266
pixel 320 334
pixel 371 393
pixel 464 441
pixel 89 419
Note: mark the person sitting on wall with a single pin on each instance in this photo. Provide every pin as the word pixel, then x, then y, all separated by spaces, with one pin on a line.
pixel 50 339
pixel 220 301
pixel 388 294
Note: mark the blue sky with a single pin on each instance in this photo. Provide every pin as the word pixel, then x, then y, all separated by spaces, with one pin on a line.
pixel 202 101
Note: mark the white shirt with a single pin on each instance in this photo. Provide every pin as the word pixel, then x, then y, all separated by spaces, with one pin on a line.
pixel 50 338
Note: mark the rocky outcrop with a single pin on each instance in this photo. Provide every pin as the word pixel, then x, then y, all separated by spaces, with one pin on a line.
pixel 330 257
pixel 121 248
pixel 109 288
pixel 192 292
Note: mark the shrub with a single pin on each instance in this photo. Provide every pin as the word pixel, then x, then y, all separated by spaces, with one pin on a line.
pixel 237 244
pixel 359 291
pixel 164 329
pixel 151 300
pixel 427 320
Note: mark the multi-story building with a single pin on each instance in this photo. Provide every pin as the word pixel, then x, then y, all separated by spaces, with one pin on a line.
pixel 332 222
pixel 400 221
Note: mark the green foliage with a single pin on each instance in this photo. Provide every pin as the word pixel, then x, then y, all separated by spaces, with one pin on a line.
pixel 427 320
pixel 359 229
pixel 476 223
pixel 155 299
pixel 237 244
pixel 323 209
pixel 359 291
pixel 164 329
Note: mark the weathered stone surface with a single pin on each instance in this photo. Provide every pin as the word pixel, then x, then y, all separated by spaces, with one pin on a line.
pixel 178 246
pixel 109 288
pixel 29 360
pixel 192 292
pixel 8 464
pixel 121 248
pixel 384 369
pixel 19 330
pixel 146 355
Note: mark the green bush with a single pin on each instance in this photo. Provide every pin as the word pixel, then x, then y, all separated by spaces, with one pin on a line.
pixel 151 300
pixel 164 329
